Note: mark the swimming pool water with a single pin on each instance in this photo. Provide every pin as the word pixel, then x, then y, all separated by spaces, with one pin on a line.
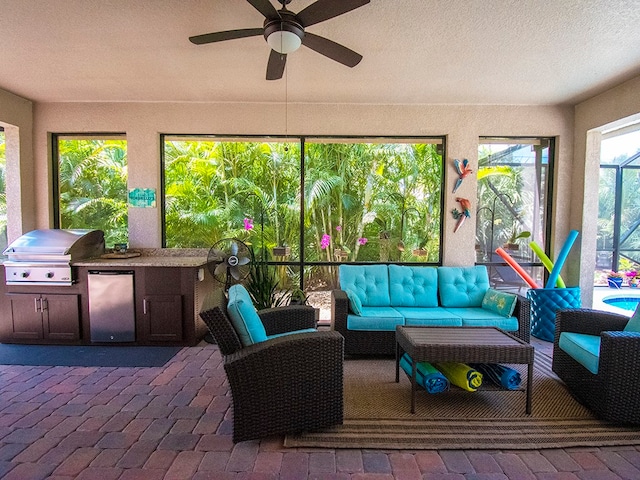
pixel 627 303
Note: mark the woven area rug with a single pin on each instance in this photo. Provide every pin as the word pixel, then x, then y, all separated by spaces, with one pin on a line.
pixel 377 415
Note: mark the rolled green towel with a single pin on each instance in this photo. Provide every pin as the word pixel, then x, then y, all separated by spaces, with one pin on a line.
pixel 461 375
pixel 426 375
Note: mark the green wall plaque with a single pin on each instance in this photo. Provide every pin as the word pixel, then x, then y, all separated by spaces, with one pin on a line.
pixel 142 197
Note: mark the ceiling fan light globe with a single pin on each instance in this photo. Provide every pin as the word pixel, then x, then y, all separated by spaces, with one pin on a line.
pixel 284 41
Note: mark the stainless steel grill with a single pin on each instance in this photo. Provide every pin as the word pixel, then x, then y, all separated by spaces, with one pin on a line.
pixel 43 257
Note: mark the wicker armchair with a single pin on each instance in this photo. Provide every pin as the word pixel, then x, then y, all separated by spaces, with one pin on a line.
pixel 287 384
pixel 614 393
pixel 362 342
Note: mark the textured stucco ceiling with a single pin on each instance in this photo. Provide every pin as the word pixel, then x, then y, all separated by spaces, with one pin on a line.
pixel 415 52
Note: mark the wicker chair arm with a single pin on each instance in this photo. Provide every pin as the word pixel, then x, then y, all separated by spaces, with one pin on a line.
pixel 588 321
pixel 620 355
pixel 339 310
pixel 285 354
pixel 288 319
pixel 523 313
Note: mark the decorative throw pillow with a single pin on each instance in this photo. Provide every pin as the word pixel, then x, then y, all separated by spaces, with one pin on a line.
pixel 633 325
pixel 354 302
pixel 501 303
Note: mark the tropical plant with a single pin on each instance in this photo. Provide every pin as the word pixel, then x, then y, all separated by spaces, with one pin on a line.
pixel 92 178
pixel 263 286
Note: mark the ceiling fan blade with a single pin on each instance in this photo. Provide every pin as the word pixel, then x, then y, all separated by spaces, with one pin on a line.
pixel 275 66
pixel 325 9
pixel 331 49
pixel 265 8
pixel 234 249
pixel 226 35
pixel 243 260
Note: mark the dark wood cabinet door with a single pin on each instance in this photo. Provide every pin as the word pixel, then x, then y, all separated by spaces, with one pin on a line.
pixel 163 315
pixel 61 317
pixel 26 317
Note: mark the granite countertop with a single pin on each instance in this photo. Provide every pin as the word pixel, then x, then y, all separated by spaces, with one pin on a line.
pixel 150 258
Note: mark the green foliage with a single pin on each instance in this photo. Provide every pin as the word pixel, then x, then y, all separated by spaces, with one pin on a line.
pixel 92 176
pixel 211 187
pixel 263 286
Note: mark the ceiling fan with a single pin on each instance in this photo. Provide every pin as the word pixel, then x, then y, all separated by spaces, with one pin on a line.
pixel 284 31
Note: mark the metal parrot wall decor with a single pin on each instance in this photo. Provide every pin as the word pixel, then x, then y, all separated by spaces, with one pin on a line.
pixel 461 216
pixel 463 170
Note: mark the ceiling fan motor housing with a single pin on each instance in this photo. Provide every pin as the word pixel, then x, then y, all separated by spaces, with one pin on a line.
pixel 286 23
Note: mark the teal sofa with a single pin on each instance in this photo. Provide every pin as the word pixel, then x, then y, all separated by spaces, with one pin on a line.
pixel 373 299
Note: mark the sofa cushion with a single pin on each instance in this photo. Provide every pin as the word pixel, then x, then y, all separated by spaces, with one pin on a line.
pixel 462 286
pixel 375 318
pixel 413 286
pixel 244 317
pixel 429 317
pixel 583 348
pixel 502 303
pixel 354 302
pixel 369 282
pixel 479 317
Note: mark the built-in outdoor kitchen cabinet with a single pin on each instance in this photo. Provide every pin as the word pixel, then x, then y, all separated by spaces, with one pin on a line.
pixel 161 316
pixel 44 317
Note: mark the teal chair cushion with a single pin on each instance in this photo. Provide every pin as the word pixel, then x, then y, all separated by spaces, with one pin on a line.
pixel 502 303
pixel 244 316
pixel 583 348
pixel 633 325
pixel 284 334
pixel 413 286
pixel 462 286
pixel 369 282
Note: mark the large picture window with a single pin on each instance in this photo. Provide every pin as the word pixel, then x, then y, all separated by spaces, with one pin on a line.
pixel 513 197
pixel 90 188
pixel 618 240
pixel 306 205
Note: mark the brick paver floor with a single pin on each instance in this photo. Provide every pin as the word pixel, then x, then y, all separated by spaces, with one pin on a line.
pixel 175 422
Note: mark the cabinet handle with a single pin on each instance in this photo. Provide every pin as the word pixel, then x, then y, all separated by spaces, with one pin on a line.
pixel 144 306
pixel 44 304
pixel 37 304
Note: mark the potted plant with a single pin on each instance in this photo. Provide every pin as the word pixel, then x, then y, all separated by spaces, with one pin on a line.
pixel 512 242
pixel 633 278
pixel 614 279
pixel 281 251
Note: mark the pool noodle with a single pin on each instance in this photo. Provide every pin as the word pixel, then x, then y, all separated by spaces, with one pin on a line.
pixel 562 257
pixel 513 264
pixel 546 261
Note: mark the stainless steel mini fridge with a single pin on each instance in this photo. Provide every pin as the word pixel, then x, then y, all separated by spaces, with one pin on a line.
pixel 111 306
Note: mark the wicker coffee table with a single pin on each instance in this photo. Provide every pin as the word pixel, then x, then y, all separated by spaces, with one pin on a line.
pixel 462 344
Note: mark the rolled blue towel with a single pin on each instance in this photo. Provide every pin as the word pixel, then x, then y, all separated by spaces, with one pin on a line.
pixel 427 375
pixel 502 376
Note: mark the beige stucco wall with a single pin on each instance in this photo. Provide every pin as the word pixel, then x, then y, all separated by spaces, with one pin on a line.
pixel 144 122
pixel 612 108
pixel 16 117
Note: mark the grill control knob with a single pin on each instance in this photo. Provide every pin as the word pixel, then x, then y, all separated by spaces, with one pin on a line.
pixel 49 275
pixel 24 274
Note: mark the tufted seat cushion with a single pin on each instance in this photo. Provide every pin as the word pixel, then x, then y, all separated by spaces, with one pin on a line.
pixel 413 286
pixel 369 282
pixel 462 286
